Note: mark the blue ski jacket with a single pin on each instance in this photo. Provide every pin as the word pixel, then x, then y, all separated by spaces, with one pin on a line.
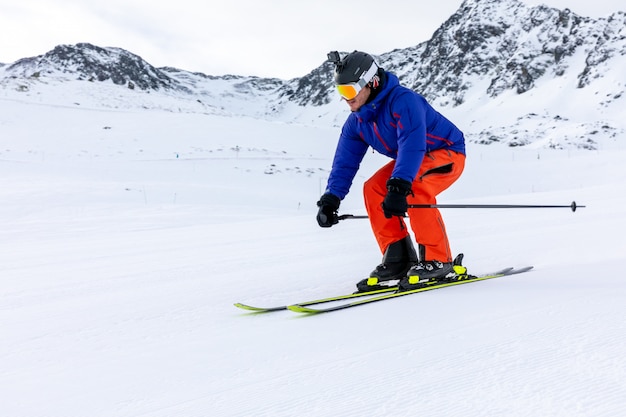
pixel 398 123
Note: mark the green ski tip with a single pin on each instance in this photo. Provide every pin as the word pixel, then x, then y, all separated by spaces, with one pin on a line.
pixel 257 309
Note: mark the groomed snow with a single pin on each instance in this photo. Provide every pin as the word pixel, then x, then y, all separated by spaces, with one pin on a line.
pixel 128 234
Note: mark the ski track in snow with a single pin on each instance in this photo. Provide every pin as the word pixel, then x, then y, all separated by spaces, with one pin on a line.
pixel 123 250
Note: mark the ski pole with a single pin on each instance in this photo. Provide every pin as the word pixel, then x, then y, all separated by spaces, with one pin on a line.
pixel 572 206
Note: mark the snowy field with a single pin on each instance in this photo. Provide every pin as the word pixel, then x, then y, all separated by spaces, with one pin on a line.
pixel 127 235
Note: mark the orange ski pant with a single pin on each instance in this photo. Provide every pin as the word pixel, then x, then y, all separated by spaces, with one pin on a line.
pixel 438 171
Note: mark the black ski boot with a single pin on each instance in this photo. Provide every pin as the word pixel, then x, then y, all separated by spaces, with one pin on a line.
pixel 397 260
pixel 427 273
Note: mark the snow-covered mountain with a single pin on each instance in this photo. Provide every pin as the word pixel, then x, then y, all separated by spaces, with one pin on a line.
pixel 488 53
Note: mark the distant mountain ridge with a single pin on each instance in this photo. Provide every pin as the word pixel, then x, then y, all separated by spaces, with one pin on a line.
pixel 93 63
pixel 512 45
pixel 486 50
pixel 505 41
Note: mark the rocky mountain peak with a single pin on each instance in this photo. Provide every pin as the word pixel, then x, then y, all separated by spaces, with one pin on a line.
pixel 509 46
pixel 93 63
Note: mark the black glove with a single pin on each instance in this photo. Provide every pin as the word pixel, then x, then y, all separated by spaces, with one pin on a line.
pixel 327 214
pixel 395 203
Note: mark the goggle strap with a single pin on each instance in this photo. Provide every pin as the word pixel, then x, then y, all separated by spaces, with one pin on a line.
pixel 367 76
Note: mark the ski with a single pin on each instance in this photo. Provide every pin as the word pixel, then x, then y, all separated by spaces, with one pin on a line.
pixel 320 301
pixel 303 308
pixel 378 292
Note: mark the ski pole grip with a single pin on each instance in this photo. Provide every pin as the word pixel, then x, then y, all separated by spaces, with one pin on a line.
pixel 351 216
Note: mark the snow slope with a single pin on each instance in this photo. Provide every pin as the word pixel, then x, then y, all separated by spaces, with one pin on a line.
pixel 127 236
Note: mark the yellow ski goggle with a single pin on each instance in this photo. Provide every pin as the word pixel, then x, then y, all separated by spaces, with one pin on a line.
pixel 349 91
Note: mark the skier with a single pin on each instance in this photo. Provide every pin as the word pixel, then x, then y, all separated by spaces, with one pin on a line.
pixel 428 155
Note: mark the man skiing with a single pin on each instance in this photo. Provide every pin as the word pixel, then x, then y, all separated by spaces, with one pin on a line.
pixel 428 155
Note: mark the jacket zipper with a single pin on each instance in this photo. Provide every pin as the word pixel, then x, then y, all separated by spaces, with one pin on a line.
pixel 380 138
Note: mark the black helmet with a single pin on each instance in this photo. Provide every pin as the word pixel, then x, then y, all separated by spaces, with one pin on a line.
pixel 354 67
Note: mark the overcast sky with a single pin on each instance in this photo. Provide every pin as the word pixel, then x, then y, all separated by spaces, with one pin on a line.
pixel 267 38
